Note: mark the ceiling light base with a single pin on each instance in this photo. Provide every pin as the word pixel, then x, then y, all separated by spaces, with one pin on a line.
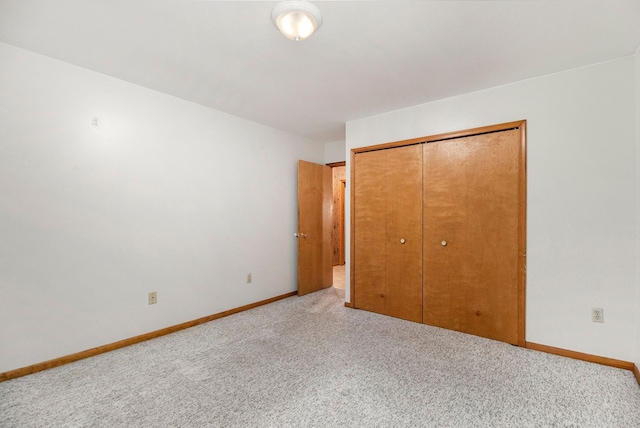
pixel 296 20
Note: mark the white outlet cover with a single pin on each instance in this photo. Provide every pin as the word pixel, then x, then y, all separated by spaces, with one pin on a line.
pixel 597 315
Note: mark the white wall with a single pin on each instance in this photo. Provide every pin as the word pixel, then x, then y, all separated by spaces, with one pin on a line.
pixel 334 152
pixel 637 358
pixel 581 194
pixel 164 195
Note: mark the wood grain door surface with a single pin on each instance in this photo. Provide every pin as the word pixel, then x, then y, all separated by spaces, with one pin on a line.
pixel 471 234
pixel 388 232
pixel 314 227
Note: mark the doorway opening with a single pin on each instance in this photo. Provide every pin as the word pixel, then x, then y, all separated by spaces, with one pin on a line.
pixel 338 170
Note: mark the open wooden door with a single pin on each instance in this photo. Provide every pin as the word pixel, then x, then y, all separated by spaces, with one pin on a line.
pixel 314 227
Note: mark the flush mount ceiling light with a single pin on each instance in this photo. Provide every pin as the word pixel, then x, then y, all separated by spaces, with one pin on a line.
pixel 297 20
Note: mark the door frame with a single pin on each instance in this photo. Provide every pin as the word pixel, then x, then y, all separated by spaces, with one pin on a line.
pixel 343 182
pixel 522 204
pixel 343 187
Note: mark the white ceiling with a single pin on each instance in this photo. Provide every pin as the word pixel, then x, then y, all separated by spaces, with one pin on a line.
pixel 367 58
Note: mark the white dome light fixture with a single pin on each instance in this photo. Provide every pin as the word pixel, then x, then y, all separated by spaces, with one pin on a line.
pixel 297 20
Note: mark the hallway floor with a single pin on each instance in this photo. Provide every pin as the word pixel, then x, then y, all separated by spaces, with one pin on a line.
pixel 338 277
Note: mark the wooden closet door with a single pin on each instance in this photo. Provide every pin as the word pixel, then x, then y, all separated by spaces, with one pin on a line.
pixel 388 232
pixel 471 234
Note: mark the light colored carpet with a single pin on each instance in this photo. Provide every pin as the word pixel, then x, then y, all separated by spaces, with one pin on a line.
pixel 310 362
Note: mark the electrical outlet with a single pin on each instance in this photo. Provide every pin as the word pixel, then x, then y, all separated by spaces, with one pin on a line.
pixel 153 298
pixel 249 278
pixel 597 315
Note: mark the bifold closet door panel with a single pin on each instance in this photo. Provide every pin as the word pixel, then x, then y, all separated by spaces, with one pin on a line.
pixel 404 233
pixel 388 232
pixel 370 195
pixel 471 234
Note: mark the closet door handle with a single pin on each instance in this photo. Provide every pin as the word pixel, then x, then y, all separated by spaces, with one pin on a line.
pixel 444 243
pixel 402 241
